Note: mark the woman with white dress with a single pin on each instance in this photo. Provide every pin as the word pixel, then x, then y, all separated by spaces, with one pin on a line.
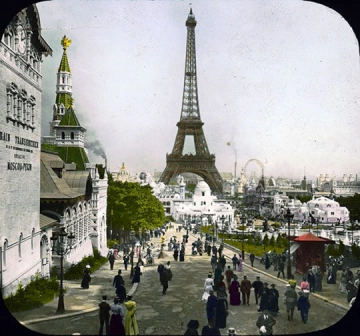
pixel 208 285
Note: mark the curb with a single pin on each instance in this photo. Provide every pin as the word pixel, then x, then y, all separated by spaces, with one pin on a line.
pixel 132 291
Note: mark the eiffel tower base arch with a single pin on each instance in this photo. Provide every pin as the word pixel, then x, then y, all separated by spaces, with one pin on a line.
pixel 204 167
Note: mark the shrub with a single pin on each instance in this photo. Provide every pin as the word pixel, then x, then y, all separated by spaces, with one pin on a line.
pixel 276 225
pixel 266 240
pixel 75 271
pixel 272 241
pixel 111 242
pixel 38 292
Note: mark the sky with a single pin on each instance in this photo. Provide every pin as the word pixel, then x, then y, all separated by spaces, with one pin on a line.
pixel 278 81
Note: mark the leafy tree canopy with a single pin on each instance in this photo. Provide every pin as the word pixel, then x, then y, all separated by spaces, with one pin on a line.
pixel 352 204
pixel 134 207
pixel 304 198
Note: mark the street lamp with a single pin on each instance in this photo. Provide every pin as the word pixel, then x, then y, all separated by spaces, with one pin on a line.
pixel 132 238
pixel 317 226
pixel 289 216
pixel 61 246
pixel 243 222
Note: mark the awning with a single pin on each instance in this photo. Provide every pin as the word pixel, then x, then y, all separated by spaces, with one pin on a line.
pixel 294 247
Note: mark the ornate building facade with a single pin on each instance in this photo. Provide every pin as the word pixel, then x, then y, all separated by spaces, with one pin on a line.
pixel 22 49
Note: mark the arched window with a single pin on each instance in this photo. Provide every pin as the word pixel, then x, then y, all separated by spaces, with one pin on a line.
pixel 19 246
pixel 4 252
pixel 63 135
pixel 72 136
pixel 32 240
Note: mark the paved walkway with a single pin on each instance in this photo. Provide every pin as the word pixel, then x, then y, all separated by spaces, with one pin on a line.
pixel 79 301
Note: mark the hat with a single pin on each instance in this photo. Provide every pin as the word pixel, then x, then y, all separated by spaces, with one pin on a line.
pixel 272 285
pixel 129 297
pixel 87 266
pixel 104 297
pixel 266 284
pixel 193 324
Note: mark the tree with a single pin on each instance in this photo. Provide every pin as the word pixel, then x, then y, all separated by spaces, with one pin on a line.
pixel 250 240
pixel 132 206
pixel 341 247
pixel 279 241
pixel 272 241
pixel 266 240
pixel 352 204
pixel 304 198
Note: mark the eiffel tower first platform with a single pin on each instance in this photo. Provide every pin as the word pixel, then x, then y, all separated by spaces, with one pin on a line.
pixel 190 126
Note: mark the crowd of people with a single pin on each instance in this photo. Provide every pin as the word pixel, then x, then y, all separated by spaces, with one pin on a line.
pixel 223 288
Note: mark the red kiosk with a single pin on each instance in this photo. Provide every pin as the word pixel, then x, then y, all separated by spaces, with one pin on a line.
pixel 309 252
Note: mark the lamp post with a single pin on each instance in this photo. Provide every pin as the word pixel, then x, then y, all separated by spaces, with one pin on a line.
pixel 289 216
pixel 132 238
pixel 243 222
pixel 317 226
pixel 61 244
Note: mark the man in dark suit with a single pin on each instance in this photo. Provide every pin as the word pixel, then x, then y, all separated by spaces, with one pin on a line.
pixel 111 259
pixel 118 280
pixel 104 315
pixel 265 323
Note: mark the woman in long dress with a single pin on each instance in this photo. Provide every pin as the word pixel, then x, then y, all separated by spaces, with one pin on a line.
pixel 86 278
pixel 208 285
pixel 234 292
pixel 116 326
pixel 137 274
pixel 221 311
pixel 240 267
pixel 182 255
pixel 131 326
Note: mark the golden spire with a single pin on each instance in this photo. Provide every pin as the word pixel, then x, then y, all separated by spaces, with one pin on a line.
pixel 65 42
pixel 123 166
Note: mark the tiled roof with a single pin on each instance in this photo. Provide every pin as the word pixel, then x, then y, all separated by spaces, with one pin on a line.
pixel 46 221
pixel 52 186
pixel 64 64
pixel 77 180
pixel 63 98
pixel 69 118
pixel 309 237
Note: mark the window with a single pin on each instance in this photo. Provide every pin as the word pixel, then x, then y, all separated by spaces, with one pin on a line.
pixel 72 136
pixel 20 106
pixel 19 246
pixel 32 240
pixel 63 135
pixel 332 213
pixel 203 193
pixel 4 252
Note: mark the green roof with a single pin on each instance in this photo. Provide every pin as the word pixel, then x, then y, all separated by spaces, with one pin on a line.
pixel 69 118
pixel 63 98
pixel 64 64
pixel 75 155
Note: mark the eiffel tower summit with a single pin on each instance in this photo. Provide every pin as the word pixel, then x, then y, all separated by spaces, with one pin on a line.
pixel 190 127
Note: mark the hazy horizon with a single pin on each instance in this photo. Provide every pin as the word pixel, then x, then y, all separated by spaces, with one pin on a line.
pixel 277 82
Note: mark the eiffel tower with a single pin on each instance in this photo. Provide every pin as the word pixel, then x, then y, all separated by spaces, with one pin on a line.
pixel 190 128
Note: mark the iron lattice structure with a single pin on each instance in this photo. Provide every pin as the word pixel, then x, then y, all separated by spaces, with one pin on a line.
pixel 202 162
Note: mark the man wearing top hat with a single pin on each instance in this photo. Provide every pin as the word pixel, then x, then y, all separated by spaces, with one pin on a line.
pixel 104 315
pixel 265 323
pixel 273 300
